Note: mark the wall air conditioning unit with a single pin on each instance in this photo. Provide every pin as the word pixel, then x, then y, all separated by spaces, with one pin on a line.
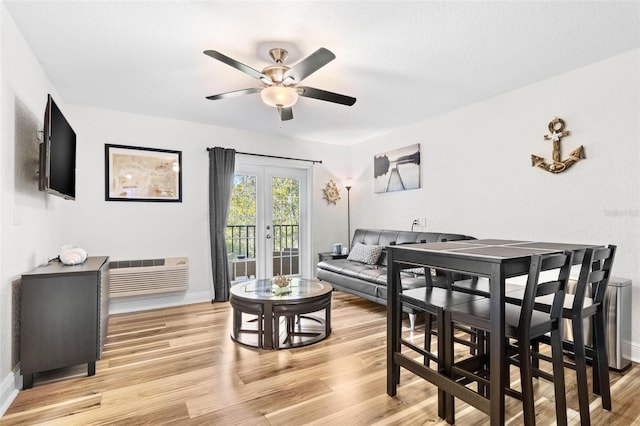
pixel 150 276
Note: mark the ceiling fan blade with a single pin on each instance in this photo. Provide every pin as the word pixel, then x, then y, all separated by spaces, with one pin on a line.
pixel 234 93
pixel 239 66
pixel 309 65
pixel 323 95
pixel 285 113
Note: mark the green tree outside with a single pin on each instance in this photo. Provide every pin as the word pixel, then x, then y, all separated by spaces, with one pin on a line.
pixel 241 220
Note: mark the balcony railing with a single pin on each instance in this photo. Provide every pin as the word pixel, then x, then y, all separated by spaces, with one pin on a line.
pixel 241 247
pixel 241 239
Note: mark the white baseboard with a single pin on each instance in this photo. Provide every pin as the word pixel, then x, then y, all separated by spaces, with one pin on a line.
pixel 633 349
pixel 144 303
pixel 9 387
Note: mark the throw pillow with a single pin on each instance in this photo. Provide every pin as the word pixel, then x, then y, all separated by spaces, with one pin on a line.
pixel 417 271
pixel 365 253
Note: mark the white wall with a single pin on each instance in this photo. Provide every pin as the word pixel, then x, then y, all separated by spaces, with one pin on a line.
pixel 34 225
pixel 144 230
pixel 27 217
pixel 477 177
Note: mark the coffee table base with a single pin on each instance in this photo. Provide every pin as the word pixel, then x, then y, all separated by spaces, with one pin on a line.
pixel 279 323
pixel 294 332
pixel 301 330
pixel 248 333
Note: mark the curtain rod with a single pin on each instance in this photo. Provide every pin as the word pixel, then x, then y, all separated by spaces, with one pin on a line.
pixel 275 156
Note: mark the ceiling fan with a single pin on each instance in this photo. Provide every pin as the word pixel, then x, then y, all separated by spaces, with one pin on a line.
pixel 280 88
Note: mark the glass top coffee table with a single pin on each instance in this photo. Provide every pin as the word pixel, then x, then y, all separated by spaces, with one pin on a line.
pixel 298 309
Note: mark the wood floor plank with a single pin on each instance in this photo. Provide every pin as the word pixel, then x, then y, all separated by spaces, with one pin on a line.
pixel 179 366
pixel 258 397
pixel 66 408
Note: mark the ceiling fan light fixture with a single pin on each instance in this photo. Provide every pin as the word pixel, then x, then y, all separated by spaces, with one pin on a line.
pixel 279 96
pixel 281 88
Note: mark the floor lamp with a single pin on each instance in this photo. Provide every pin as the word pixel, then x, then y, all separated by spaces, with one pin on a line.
pixel 348 184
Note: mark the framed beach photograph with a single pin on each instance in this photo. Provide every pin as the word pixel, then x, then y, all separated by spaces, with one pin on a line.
pixel 142 174
pixel 397 170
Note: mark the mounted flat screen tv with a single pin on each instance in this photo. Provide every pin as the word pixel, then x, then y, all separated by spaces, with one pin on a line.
pixel 57 154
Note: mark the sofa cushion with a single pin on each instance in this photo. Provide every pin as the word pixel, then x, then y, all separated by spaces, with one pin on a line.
pixel 347 267
pixel 368 254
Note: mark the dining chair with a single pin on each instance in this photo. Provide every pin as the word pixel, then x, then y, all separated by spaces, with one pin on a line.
pixel 433 278
pixel 432 301
pixel 480 286
pixel 587 303
pixel 442 279
pixel 523 324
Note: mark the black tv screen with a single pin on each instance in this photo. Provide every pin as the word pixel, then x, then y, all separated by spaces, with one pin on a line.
pixel 58 154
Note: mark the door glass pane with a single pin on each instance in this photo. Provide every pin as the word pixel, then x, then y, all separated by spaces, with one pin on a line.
pixel 285 195
pixel 241 228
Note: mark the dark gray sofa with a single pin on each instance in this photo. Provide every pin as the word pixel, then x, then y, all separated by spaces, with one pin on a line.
pixel 370 281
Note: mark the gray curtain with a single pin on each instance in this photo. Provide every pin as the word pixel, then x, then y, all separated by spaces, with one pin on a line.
pixel 221 166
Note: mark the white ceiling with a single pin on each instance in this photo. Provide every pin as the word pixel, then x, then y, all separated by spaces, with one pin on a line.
pixel 404 61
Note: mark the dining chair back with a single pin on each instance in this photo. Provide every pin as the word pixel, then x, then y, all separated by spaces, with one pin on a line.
pixel 601 265
pixel 587 303
pixel 523 323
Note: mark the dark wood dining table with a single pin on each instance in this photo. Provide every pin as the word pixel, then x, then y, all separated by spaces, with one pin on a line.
pixel 495 259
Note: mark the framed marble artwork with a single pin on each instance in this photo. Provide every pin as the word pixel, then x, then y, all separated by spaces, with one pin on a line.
pixel 135 173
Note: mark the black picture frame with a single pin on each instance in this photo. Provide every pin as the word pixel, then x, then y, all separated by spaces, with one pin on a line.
pixel 134 173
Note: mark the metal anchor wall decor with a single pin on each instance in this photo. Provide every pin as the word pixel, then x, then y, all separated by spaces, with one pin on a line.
pixel 556 133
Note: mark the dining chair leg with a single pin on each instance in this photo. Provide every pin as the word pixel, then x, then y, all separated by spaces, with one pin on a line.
pixel 535 362
pixel 558 378
pixel 581 370
pixel 526 383
pixel 601 362
pixel 428 324
pixel 593 353
pixel 448 403
pixel 412 321
pixel 482 351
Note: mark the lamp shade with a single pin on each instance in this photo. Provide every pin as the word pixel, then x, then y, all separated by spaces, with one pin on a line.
pixel 279 96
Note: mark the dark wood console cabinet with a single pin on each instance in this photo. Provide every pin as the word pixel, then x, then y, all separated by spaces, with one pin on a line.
pixel 64 313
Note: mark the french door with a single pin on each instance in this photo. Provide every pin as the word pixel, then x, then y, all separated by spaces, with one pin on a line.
pixel 267 226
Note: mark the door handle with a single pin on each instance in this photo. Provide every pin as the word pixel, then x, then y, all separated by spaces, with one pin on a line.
pixel 268 236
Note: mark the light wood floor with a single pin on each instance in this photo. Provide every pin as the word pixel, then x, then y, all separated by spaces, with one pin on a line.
pixel 179 366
